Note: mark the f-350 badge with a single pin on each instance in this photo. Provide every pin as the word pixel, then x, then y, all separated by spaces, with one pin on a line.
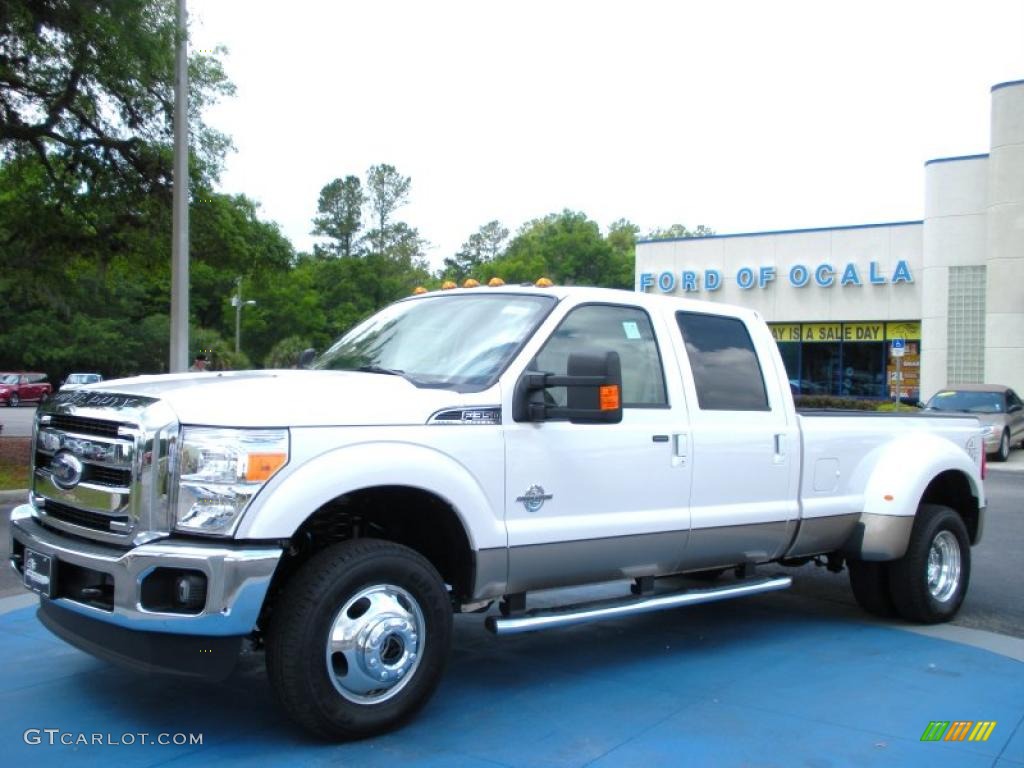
pixel 534 498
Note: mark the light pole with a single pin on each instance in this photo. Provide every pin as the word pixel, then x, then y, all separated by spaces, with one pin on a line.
pixel 179 227
pixel 237 303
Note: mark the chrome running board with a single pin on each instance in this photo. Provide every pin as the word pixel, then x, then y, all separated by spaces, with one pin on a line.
pixel 614 608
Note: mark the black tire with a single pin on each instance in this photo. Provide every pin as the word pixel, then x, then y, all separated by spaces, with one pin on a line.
pixel 1003 453
pixel 938 531
pixel 870 584
pixel 305 613
pixel 14 401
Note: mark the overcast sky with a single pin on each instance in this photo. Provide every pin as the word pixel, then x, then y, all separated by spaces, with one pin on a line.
pixel 743 116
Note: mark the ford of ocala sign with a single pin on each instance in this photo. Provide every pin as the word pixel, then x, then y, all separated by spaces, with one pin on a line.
pixel 823 275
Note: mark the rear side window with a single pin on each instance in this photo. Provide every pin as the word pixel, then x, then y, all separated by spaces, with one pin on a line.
pixel 725 367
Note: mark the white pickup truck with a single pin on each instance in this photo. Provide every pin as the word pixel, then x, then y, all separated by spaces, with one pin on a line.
pixel 463 447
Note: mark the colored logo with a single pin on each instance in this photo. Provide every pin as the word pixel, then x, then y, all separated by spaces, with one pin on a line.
pixel 958 730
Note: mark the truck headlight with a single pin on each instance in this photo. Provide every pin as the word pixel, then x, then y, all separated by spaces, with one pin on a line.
pixel 220 471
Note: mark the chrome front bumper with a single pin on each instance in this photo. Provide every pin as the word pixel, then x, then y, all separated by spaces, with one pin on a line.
pixel 237 577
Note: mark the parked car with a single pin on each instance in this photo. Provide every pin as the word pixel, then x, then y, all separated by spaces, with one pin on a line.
pixel 17 388
pixel 998 408
pixel 78 379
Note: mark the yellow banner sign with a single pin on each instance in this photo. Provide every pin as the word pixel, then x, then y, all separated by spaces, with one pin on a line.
pixel 863 331
pixel 909 330
pixel 785 331
pixel 822 331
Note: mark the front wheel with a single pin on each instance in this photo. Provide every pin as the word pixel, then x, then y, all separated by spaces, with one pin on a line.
pixel 359 638
pixel 929 582
pixel 15 401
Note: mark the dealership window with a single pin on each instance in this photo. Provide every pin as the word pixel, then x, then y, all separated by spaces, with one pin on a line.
pixel 863 369
pixel 849 359
pixel 819 369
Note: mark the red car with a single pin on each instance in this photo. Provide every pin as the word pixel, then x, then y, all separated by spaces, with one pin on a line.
pixel 17 388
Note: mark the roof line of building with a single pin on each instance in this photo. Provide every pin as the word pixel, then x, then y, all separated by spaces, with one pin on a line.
pixel 782 232
pixel 1007 84
pixel 955 159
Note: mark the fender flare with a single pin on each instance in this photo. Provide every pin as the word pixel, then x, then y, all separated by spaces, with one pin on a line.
pixel 288 500
pixel 896 477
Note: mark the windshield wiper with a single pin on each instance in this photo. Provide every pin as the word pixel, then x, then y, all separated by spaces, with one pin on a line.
pixel 381 369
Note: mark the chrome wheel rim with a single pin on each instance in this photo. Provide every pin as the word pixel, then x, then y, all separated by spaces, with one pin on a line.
pixel 375 644
pixel 944 566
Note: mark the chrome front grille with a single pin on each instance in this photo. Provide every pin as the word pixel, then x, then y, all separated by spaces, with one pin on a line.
pixel 84 426
pixel 85 519
pixel 95 473
pixel 102 465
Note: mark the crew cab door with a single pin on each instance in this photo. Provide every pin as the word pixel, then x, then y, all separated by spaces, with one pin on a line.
pixel 586 502
pixel 746 443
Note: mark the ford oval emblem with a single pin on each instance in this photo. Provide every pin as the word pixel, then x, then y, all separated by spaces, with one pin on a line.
pixel 66 470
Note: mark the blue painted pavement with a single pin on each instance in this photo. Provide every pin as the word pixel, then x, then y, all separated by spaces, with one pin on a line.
pixel 730 684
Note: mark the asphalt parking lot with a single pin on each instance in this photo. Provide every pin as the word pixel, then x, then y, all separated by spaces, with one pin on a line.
pixel 17 422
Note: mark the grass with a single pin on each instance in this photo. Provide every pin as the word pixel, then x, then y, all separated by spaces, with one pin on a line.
pixel 14 455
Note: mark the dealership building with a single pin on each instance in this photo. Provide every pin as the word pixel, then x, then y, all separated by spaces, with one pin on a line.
pixel 870 310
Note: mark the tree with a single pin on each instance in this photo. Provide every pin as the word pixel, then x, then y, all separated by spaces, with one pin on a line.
pixel 622 239
pixel 678 231
pixel 340 212
pixel 482 247
pixel 388 190
pixel 286 353
pixel 87 89
pixel 566 247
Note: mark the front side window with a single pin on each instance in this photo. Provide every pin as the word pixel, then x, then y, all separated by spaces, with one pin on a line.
pixel 603 328
pixel 725 367
pixel 460 342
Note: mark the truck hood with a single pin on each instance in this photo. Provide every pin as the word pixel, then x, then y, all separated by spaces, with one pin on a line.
pixel 289 398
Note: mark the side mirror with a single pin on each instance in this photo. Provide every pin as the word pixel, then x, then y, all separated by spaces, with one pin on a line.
pixel 306 357
pixel 593 385
pixel 1014 408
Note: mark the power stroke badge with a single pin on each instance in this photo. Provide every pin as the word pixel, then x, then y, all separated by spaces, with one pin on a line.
pixel 534 498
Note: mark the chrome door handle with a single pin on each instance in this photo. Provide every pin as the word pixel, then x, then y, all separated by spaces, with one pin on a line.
pixel 679 448
pixel 780 448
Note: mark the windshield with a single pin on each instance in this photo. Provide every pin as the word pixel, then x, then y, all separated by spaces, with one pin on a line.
pixel 969 402
pixel 460 342
pixel 83 378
